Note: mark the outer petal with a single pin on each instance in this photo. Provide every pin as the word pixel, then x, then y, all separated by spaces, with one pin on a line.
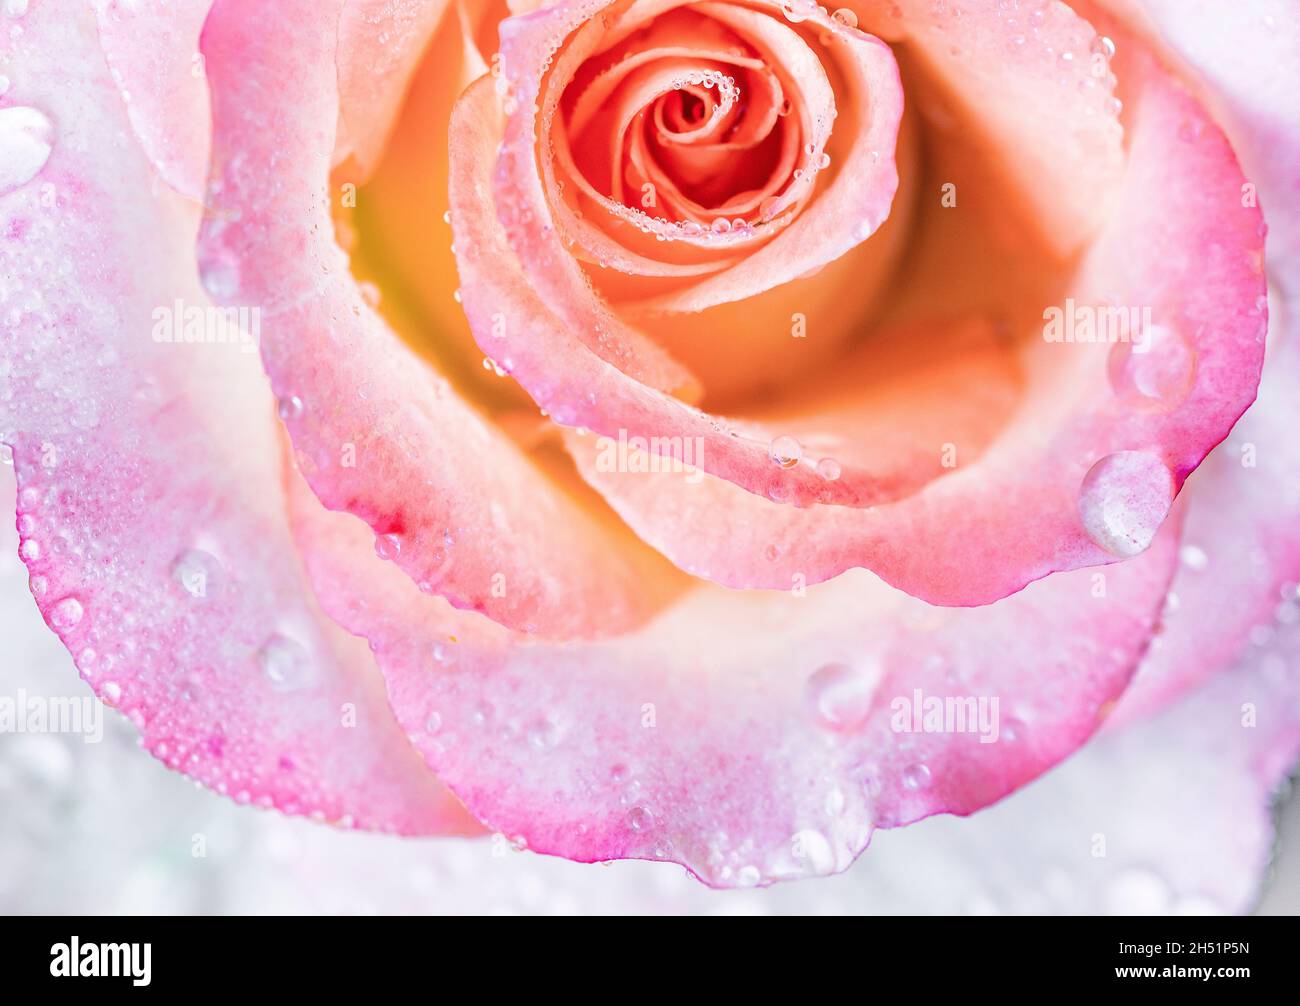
pixel 750 737
pixel 1242 543
pixel 149 509
pixel 1035 77
pixel 450 498
pixel 1243 61
pixel 152 50
pixel 380 44
pixel 1241 546
pixel 1169 847
pixel 1103 437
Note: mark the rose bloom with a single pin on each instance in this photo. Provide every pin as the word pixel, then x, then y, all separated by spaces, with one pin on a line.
pixel 689 431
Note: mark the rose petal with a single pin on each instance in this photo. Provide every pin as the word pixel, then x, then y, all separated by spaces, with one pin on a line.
pixel 380 43
pixel 148 510
pixel 451 500
pixel 747 736
pixel 152 49
pixel 1168 846
pixel 1241 556
pixel 1034 78
pixel 1115 830
pixel 1094 407
pixel 1147 419
pixel 1243 65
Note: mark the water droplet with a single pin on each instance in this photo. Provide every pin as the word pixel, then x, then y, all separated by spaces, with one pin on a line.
pixel 220 278
pixel 434 723
pixel 795 11
pixel 1194 557
pixel 289 407
pixel 66 613
pixel 197 571
pixel 286 663
pixel 26 139
pixel 846 17
pixel 640 819
pixel 1156 368
pixel 111 693
pixel 543 735
pixel 916 776
pixel 388 546
pixel 1102 46
pixel 1124 499
pixel 813 849
pixel 829 469
pixel 786 451
pixel 840 696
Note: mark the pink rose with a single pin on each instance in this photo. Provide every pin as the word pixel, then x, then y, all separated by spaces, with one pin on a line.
pixel 958 293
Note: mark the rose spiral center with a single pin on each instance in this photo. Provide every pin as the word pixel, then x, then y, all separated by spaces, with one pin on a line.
pixel 694 122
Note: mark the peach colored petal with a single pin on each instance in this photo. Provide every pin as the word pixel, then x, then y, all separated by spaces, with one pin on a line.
pixel 1021 510
pixel 1035 76
pixel 149 507
pixel 520 331
pixel 380 43
pixel 1241 555
pixel 152 49
pixel 751 737
pixel 570 317
pixel 449 498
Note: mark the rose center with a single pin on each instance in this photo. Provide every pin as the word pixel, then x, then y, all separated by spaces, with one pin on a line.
pixel 685 121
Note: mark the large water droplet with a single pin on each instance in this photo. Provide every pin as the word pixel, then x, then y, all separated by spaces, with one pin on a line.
pixel 289 408
pixel 786 451
pixel 640 819
pixel 388 546
pixel 796 11
pixel 814 850
pixel 841 696
pixel 66 613
pixel 916 776
pixel 220 278
pixel 26 139
pixel 1155 369
pixel 846 17
pixel 286 663
pixel 197 571
pixel 1124 499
